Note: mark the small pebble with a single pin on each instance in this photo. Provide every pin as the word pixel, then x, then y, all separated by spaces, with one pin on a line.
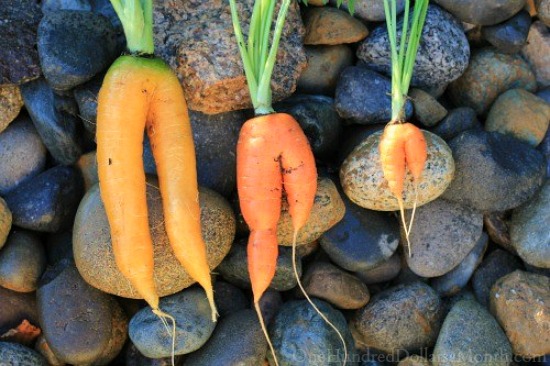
pixel 497 226
pixel 543 10
pixel 341 289
pixel 229 298
pixel 22 262
pixel 405 318
pixel 331 26
pixel 384 272
pixel 16 354
pixel 521 303
pixel 457 121
pixel 511 35
pixel 370 10
pixel 487 12
pixel 5 222
pixel 16 307
pixel 270 303
pixel 10 104
pixel 194 325
pixel 86 98
pixel 427 109
pixel 537 52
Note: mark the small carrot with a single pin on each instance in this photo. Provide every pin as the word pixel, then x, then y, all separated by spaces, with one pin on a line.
pixel 138 93
pixel 273 155
pixel 402 145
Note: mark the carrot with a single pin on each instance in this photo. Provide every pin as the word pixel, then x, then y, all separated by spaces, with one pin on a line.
pixel 402 145
pixel 138 93
pixel 273 155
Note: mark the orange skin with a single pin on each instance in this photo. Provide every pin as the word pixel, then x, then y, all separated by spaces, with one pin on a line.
pixel 139 93
pixel 272 153
pixel 402 146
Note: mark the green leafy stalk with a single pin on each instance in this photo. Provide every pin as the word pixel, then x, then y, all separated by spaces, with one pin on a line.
pixel 136 17
pixel 258 57
pixel 404 56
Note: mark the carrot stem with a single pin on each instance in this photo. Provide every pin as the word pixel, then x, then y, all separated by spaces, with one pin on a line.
pixel 136 17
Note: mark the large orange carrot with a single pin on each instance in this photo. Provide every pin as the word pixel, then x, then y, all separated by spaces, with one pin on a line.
pixel 139 93
pixel 402 145
pixel 273 156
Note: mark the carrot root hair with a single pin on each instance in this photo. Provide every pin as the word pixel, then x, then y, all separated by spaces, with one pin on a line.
pixel 303 290
pixel 264 330
pixel 163 316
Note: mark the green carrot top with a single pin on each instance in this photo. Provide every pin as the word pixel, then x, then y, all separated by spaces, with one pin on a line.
pixel 136 17
pixel 403 59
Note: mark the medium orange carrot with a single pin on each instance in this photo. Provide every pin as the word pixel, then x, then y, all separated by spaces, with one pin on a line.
pixel 139 93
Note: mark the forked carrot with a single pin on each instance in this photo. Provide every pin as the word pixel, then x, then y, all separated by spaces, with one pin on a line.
pixel 137 93
pixel 273 154
pixel 402 144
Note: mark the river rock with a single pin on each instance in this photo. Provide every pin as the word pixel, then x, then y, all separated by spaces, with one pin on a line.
pixel 521 303
pixel 10 104
pixel 520 114
pixel 194 325
pixel 86 98
pixel 93 251
pixel 471 336
pixel 234 268
pixel 511 35
pixel 215 138
pixel 22 262
pixel 494 172
pixel 482 13
pixel 119 335
pixel 364 183
pixel 363 96
pixel 435 252
pixel 442 58
pixel 529 229
pixel 494 266
pixel 537 50
pixel 133 357
pixel 48 202
pixel 18 55
pixel 44 349
pixel 17 354
pixel 74 46
pixel 54 117
pixel 270 303
pixel 543 11
pixel 489 74
pixel 452 282
pixel 370 10
pixel 384 272
pixel 341 289
pixel 296 340
pixel 237 340
pixel 16 307
pixel 427 109
pixel 87 164
pixel 497 226
pixel 331 26
pixel 5 222
pixel 362 240
pixel 229 298
pixel 209 63
pixel 324 66
pixel 77 328
pixel 405 318
pixel 328 209
pixel 22 154
pixel 457 121
pixel 318 119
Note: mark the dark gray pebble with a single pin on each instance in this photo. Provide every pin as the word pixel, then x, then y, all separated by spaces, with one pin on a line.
pixel 457 121
pixel 86 98
pixel 47 202
pixel 384 272
pixel 487 12
pixel 229 298
pixel 510 36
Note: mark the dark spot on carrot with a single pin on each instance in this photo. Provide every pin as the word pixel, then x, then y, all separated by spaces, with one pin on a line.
pixel 110 161
pixel 144 91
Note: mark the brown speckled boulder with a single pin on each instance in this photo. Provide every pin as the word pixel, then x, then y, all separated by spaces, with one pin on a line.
pixel 94 256
pixel 196 38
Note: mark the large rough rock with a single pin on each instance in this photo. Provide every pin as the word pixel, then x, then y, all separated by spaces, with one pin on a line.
pixel 442 57
pixel 196 38
pixel 94 255
pixel 521 303
pixel 18 53
pixel 364 183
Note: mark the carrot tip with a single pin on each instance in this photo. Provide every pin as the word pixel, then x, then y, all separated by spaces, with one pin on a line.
pixel 163 316
pixel 264 329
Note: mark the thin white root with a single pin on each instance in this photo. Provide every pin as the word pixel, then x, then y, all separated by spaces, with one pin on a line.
pixel 264 329
pixel 402 213
pixel 414 206
pixel 163 316
pixel 311 302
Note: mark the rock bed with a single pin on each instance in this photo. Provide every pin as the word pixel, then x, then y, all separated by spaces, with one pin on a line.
pixel 476 288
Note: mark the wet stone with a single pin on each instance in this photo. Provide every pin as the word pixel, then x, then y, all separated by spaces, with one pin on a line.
pixel 47 202
pixel 457 121
pixel 511 35
pixel 17 354
pixel 427 109
pixel 54 117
